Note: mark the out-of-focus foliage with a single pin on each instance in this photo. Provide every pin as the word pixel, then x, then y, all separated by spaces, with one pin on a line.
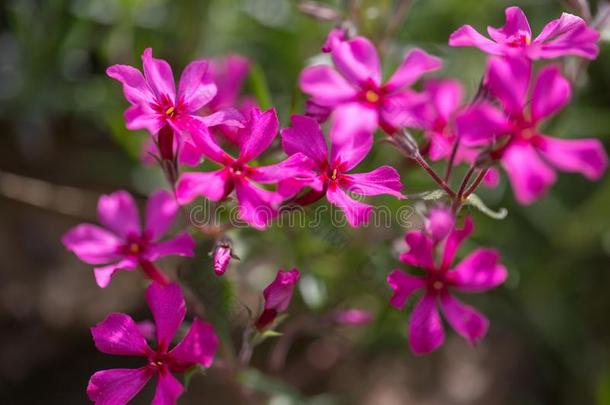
pixel 61 120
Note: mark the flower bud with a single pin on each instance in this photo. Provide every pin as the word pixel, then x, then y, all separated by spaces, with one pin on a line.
pixel 277 296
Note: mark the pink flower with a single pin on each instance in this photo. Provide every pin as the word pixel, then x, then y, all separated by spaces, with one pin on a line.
pixel 229 73
pixel 478 272
pixel 439 222
pixel 222 256
pixel 567 35
pixel 118 334
pixel 354 90
pixel 277 296
pixel 335 35
pixel 257 206
pixel 155 102
pixel 328 173
pixel 122 242
pixel 525 153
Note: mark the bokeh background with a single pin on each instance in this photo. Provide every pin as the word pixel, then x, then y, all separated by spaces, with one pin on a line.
pixel 63 143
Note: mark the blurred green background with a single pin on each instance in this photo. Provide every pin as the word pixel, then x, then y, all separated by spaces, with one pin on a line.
pixel 63 142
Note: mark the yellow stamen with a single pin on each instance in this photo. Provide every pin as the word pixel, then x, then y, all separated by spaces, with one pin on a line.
pixel 333 176
pixel 170 111
pixel 371 96
pixel 134 248
pixel 437 285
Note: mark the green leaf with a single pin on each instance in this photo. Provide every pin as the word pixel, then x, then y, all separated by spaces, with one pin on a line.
pixel 476 202
pixel 428 195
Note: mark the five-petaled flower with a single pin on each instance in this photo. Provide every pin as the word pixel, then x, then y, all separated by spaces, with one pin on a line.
pixel 567 35
pixel 513 134
pixel 479 271
pixel 155 103
pixel 124 243
pixel 277 296
pixel 257 206
pixel 354 91
pixel 327 175
pixel 118 334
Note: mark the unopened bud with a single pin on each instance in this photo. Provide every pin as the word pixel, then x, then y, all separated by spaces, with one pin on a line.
pixel 405 142
pixel 222 256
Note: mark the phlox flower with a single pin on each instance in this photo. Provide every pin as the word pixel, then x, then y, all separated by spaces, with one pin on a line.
pixel 223 253
pixel 257 206
pixel 277 296
pixel 118 334
pixel 328 170
pixel 353 90
pixel 122 243
pixel 513 135
pixel 478 272
pixel 155 103
pixel 567 35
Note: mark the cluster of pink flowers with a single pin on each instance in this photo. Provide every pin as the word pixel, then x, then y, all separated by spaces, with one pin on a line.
pixel 206 118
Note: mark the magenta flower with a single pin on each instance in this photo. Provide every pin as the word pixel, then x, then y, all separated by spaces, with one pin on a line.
pixel 118 334
pixel 335 35
pixel 525 153
pixel 222 256
pixel 478 272
pixel 567 35
pixel 328 173
pixel 277 296
pixel 354 90
pixel 257 206
pixel 351 317
pixel 122 243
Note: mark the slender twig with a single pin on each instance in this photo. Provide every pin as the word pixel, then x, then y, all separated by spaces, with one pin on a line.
pixel 475 184
pixel 449 168
pixel 442 183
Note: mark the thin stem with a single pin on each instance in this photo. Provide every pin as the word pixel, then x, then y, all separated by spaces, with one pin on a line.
pixel 153 272
pixel 449 168
pixel 465 181
pixel 442 183
pixel 475 184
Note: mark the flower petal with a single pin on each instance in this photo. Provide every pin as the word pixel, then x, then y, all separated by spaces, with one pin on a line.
pixel 383 180
pixel 198 346
pixel 551 93
pixel 426 332
pixel 466 35
pixel 445 96
pixel 567 35
pixel 229 74
pixel 196 87
pixel 258 134
pixel 479 271
pixel 356 212
pixel 181 245
pixel 119 334
pixel 168 389
pixel 508 79
pixel 167 306
pixel 351 134
pixel 159 76
pixel 297 166
pixel 439 222
pixel 455 239
pixel 135 88
pixel 257 206
pixel 305 135
pixel 214 186
pixel 585 156
pixel 204 142
pixel 92 244
pixel 403 285
pixel 278 293
pixel 480 124
pixel 420 250
pixel 357 60
pixel 529 175
pixel 326 85
pixel 467 321
pixel 161 210
pixel 516 24
pixel 104 274
pixel 117 386
pixel 141 116
pixel 416 63
pixel 118 212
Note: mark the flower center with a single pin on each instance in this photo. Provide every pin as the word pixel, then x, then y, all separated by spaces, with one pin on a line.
pixel 520 40
pixel 333 175
pixel 134 248
pixel 170 111
pixel 371 96
pixel 437 285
